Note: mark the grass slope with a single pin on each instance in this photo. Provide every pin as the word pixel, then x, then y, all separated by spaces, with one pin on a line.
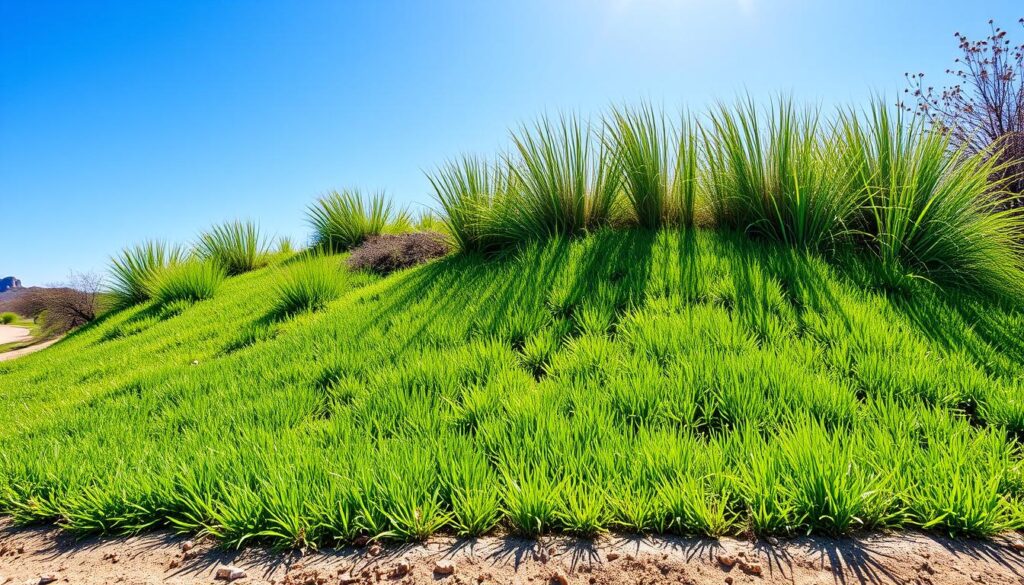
pixel 689 382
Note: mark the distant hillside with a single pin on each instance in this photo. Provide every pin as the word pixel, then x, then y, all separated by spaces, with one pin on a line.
pixel 9 283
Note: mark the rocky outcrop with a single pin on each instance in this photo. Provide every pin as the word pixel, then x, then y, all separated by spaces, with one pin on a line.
pixel 9 283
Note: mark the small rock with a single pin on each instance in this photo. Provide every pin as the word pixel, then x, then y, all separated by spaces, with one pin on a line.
pixel 374 549
pixel 403 568
pixel 726 560
pixel 229 573
pixel 174 564
pixel 559 578
pixel 361 541
pixel 773 541
pixel 728 581
pixel 444 567
pixel 612 556
pixel 928 568
pixel 187 545
pixel 751 568
pixel 977 578
pixel 47 579
pixel 21 550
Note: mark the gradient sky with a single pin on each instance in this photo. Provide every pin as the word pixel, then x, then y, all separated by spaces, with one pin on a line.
pixel 127 120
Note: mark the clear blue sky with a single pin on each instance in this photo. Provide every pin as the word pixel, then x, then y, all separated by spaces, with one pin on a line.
pixel 125 120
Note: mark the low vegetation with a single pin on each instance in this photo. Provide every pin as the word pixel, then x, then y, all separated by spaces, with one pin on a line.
pixel 594 358
pixel 236 246
pixel 385 254
pixel 309 284
pixel 8 317
pixel 194 280
pixel 341 221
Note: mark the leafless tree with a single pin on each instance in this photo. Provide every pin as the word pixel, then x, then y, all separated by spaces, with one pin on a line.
pixel 63 307
pixel 984 108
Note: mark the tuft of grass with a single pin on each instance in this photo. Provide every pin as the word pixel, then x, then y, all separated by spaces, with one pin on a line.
pixel 8 317
pixel 931 211
pixel 565 184
pixel 237 246
pixel 468 190
pixel 309 285
pixel 657 164
pixel 343 220
pixel 191 281
pixel 778 174
pixel 132 271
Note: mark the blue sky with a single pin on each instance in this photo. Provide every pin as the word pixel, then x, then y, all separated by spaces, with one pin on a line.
pixel 127 120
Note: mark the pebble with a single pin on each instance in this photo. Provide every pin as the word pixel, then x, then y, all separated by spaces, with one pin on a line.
pixel 174 564
pixel 229 573
pixel 559 578
pixel 47 579
pixel 188 545
pixel 374 550
pixel 977 578
pixel 403 568
pixel 726 560
pixel 444 568
pixel 728 581
pixel 612 556
pixel 751 568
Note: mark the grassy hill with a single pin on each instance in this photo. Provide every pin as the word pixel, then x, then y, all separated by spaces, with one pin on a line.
pixel 680 381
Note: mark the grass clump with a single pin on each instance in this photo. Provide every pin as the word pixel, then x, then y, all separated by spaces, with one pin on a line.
pixel 657 165
pixel 237 246
pixel 468 191
pixel 343 220
pixel 133 270
pixel 309 284
pixel 190 281
pixel 931 211
pixel 6 318
pixel 778 174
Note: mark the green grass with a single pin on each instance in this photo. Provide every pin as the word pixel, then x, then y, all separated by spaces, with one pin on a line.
pixel 190 281
pixel 341 221
pixel 133 270
pixel 7 318
pixel 680 381
pixel 237 246
pixel 309 284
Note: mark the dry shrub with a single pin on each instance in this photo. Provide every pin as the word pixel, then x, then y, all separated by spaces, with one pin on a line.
pixel 386 253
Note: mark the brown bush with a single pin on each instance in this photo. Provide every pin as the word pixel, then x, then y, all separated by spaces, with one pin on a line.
pixel 62 308
pixel 385 254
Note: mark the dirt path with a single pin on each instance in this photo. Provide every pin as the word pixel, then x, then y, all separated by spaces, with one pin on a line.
pixel 16 353
pixel 11 334
pixel 28 554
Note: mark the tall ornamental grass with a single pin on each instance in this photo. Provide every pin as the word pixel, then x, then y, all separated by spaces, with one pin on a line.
pixel 132 271
pixel 656 164
pixel 467 190
pixel 565 186
pixel 930 210
pixel 778 173
pixel 237 246
pixel 343 220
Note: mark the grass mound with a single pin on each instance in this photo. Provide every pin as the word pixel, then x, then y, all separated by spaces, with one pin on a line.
pixel 188 281
pixel 675 381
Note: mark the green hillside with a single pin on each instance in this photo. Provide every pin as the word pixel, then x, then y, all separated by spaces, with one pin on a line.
pixel 680 381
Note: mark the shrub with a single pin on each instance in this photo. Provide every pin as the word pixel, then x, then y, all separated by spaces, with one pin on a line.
pixel 386 253
pixel 132 270
pixel 343 220
pixel 236 246
pixel 656 164
pixel 308 285
pixel 7 318
pixel 929 211
pixel 188 281
pixel 774 174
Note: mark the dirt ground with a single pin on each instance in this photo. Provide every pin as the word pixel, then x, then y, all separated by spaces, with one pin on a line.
pixel 36 554
pixel 11 333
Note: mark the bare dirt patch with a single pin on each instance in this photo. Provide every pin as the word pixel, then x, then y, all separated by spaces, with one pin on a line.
pixel 27 555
